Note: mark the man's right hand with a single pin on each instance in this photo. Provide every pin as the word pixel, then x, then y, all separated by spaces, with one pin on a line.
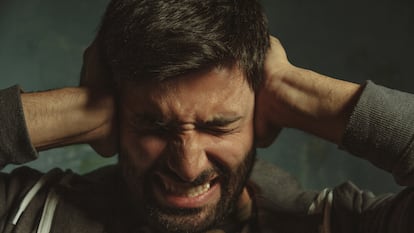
pixel 84 114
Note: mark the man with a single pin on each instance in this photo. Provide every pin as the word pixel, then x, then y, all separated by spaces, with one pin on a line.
pixel 182 90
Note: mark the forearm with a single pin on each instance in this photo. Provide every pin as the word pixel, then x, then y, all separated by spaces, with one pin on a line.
pixel 316 103
pixel 373 122
pixel 66 116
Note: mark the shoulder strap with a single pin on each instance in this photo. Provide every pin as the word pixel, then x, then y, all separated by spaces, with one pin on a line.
pixel 52 201
pixel 43 180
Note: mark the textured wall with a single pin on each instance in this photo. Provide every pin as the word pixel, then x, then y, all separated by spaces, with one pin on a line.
pixel 353 40
pixel 41 43
pixel 41 46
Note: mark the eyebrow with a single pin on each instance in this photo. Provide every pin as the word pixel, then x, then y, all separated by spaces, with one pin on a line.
pixel 215 121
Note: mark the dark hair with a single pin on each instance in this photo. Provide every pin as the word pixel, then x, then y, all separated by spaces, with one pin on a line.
pixel 159 39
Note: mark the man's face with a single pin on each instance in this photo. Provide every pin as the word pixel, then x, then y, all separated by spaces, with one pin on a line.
pixel 187 147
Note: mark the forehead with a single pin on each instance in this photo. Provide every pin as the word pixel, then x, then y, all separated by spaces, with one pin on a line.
pixel 219 91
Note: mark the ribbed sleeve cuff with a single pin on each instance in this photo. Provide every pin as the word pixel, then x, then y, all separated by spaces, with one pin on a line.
pixel 15 145
pixel 381 129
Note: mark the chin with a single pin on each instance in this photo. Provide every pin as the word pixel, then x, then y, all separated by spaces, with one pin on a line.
pixel 166 211
pixel 194 220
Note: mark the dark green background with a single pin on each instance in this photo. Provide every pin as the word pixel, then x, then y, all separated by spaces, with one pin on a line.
pixel 41 45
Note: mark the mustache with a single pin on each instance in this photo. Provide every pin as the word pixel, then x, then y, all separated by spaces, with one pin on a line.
pixel 202 178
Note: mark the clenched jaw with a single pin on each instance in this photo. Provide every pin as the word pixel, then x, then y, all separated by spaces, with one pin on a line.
pixel 176 194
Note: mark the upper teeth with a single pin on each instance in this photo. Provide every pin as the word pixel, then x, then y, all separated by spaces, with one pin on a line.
pixel 187 191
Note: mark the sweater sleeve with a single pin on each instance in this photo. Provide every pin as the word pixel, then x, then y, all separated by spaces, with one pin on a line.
pixel 15 145
pixel 381 130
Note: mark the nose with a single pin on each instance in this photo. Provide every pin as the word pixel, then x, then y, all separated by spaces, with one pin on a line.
pixel 187 157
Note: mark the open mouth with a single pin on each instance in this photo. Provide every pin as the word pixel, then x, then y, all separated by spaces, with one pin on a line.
pixel 187 190
pixel 184 195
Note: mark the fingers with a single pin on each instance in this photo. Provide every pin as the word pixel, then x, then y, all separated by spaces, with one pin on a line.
pixel 96 77
pixel 269 113
pixel 276 52
pixel 94 72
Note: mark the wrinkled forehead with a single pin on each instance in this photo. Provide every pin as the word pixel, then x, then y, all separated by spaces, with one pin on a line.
pixel 198 94
pixel 217 78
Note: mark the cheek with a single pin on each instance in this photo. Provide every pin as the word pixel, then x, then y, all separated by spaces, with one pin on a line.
pixel 231 150
pixel 142 151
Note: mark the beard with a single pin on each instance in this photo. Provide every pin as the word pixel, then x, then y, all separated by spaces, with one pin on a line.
pixel 187 220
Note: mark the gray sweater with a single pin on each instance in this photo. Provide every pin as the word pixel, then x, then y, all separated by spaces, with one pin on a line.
pixel 381 130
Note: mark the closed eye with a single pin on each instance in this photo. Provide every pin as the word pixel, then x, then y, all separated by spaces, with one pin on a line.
pixel 151 126
pixel 216 126
pixel 216 130
pixel 219 126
